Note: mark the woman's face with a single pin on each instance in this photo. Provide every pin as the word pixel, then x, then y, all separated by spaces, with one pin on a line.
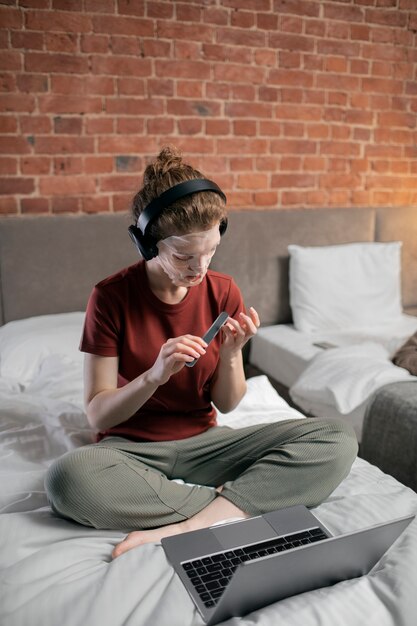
pixel 186 258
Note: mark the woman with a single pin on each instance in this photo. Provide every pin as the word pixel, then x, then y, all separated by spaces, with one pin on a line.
pixel 155 416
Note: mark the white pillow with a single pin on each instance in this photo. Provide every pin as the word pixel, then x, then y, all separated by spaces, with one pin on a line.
pixel 25 344
pixel 345 286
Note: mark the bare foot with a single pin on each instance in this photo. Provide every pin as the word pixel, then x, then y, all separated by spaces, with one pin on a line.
pixel 140 537
pixel 219 509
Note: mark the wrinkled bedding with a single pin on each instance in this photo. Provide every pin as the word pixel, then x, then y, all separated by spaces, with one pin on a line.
pixel 55 572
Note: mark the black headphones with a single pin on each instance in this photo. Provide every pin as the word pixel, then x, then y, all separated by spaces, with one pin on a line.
pixel 145 243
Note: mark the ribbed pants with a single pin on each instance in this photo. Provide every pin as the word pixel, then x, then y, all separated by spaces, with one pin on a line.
pixel 126 485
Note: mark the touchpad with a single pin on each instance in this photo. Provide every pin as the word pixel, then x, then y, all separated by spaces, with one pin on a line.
pixel 243 532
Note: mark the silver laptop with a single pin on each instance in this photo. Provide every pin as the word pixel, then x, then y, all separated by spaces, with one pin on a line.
pixel 235 568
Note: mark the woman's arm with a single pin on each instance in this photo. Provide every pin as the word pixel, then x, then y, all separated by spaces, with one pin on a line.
pixel 229 384
pixel 107 405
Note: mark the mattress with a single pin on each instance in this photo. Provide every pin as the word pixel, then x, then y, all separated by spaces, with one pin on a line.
pixel 53 571
pixel 292 358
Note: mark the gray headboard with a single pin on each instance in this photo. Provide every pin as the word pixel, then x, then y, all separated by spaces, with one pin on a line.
pixel 49 264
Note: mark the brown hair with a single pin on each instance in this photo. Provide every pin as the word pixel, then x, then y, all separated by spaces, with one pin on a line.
pixel 199 211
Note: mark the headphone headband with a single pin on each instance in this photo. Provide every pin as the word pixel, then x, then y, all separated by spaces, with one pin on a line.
pixel 171 195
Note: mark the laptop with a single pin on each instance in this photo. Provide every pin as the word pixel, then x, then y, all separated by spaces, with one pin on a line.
pixel 233 569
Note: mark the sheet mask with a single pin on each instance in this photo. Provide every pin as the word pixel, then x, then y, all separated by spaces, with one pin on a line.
pixel 186 258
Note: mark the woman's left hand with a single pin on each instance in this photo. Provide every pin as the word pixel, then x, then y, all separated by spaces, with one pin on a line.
pixel 237 333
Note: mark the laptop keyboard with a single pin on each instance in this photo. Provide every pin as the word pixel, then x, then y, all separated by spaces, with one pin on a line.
pixel 211 574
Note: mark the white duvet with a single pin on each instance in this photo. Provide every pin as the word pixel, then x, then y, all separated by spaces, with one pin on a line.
pixel 57 573
pixel 345 377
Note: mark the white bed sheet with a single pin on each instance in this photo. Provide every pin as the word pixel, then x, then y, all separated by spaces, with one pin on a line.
pixel 54 571
pixel 290 357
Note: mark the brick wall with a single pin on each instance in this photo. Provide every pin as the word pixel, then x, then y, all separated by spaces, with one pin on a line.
pixel 290 103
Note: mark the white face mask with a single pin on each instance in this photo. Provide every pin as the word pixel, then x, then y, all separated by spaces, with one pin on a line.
pixel 186 258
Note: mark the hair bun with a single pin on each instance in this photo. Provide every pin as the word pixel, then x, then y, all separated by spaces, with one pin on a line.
pixel 167 160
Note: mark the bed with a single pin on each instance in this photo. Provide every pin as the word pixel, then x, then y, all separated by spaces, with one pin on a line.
pixel 54 571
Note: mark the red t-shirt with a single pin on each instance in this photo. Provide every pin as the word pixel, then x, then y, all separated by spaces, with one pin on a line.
pixel 125 318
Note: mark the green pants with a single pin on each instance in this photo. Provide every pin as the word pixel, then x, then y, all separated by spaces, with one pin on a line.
pixel 126 485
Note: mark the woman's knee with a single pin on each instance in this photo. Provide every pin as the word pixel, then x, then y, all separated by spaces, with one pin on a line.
pixel 68 484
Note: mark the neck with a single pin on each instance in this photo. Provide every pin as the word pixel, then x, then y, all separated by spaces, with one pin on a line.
pixel 162 286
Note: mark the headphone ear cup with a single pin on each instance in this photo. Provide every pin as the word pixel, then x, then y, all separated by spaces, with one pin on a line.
pixel 223 226
pixel 146 248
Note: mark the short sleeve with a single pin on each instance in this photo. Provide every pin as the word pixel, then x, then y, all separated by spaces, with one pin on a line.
pixel 101 333
pixel 235 304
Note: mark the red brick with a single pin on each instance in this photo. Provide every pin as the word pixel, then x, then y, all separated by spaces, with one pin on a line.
pixel 129 125
pixel 159 9
pixel 35 166
pixel 11 18
pixel 35 124
pixel 8 166
pixel 34 205
pixel 8 124
pixel 127 145
pixel 243 19
pixel 396 119
pixel 14 145
pixel 116 25
pixel 291 77
pixel 47 62
pixel 252 181
pixel 67 5
pixel 266 198
pixel 227 54
pixel 391 18
pixel 306 113
pixel 382 85
pixel 82 85
pixel 59 21
pixel 96 204
pixel 127 163
pixel 215 15
pixel 339 181
pixel 32 83
pixel 248 109
pixel 187 12
pixel 16 185
pixel 217 127
pixel 67 204
pixel 157 48
pixel 68 125
pixel 190 32
pixel 119 183
pixel 65 185
pixel 244 127
pixel 182 69
pixel 291 42
pixel 243 92
pixel 134 106
pixel 121 65
pixel 338 147
pixel 133 86
pixel 241 145
pixel 7 83
pixel 126 45
pixel 160 126
pixel 95 43
pixel 234 73
pixel 10 61
pixel 69 104
pixel 26 40
pixel 162 87
pixel 203 108
pixel 8 205
pixel 100 6
pixel 100 126
pixel 121 202
pixel 98 165
pixel 64 145
pixel 61 42
pixel 189 89
pixel 270 128
pixel 128 7
pixel 67 166
pixel 190 126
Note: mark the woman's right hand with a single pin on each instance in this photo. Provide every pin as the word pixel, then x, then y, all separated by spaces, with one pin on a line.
pixel 173 356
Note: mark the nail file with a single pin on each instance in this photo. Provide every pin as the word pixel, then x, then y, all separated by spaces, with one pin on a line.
pixel 212 332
